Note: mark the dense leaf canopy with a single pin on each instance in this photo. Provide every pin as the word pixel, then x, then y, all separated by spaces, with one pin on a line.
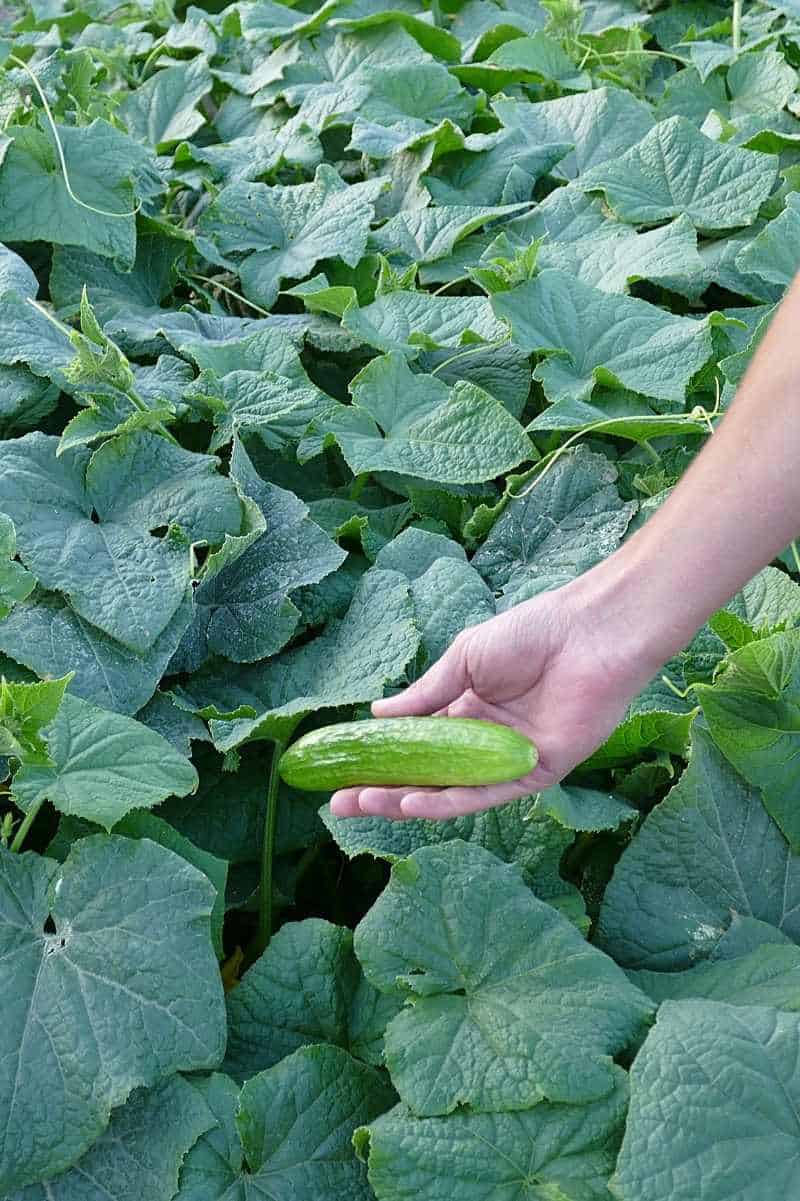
pixel 329 329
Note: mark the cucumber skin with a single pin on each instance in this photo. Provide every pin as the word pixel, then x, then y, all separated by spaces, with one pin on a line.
pixel 407 751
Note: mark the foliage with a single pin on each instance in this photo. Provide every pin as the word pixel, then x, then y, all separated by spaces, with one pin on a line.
pixel 326 331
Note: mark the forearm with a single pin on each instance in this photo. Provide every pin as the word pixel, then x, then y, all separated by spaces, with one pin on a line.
pixel 734 510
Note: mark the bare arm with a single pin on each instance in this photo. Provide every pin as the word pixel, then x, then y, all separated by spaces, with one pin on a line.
pixel 735 509
pixel 564 666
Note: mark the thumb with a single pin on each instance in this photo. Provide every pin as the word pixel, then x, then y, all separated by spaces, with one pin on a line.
pixel 440 685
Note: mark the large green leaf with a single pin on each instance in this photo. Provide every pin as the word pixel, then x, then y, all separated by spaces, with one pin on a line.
pixel 675 170
pixel 114 985
pixel 539 58
pixel 290 228
pixel 350 662
pixel 482 25
pixel 28 336
pixel 759 84
pixel 424 235
pixel 245 611
pixel 766 975
pixel 24 400
pixel 306 988
pixel 15 582
pixel 772 254
pixel 558 1151
pixel 448 593
pixel 288 1134
pixel 116 293
pixel 490 168
pixel 710 850
pixel 103 166
pixel 16 275
pixel 725 1140
pixel 588 337
pixel 142 824
pixel 49 637
pixel 85 525
pixel 767 603
pixel 365 15
pixel 335 78
pixel 142 1149
pixel 102 765
pixel 620 415
pixel 163 110
pixel 568 521
pixel 409 321
pixel 585 808
pixel 256 383
pixel 416 425
pixel 500 990
pixel 519 832
pixel 600 124
pixel 667 255
pixel 753 712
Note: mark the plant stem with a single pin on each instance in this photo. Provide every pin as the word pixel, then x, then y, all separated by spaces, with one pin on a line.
pixel 461 279
pixel 261 941
pixel 462 354
pixel 159 426
pixel 358 485
pixel 24 826
pixel 236 295
pixel 737 26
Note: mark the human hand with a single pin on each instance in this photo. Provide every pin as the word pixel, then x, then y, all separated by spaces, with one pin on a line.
pixel 549 667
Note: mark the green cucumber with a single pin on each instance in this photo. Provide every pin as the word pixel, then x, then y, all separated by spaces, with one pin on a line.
pixel 407 750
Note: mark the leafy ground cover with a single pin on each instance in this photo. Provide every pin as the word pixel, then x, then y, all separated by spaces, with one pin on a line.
pixel 327 330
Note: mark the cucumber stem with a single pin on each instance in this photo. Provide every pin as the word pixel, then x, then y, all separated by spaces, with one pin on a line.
pixel 24 826
pixel 264 934
pixel 736 36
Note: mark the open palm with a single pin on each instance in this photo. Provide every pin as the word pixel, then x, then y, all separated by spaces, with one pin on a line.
pixel 541 668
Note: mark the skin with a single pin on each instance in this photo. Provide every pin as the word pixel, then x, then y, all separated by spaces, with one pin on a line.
pixel 563 667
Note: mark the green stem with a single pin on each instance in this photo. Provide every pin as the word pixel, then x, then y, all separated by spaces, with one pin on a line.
pixel 462 354
pixel 264 934
pixel 650 449
pixel 460 279
pixel 24 826
pixel 236 295
pixel 358 485
pixel 141 407
pixel 795 556
pixel 639 53
pixel 152 56
pixel 736 36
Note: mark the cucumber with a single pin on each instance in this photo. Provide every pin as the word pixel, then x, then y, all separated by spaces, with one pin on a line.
pixel 407 750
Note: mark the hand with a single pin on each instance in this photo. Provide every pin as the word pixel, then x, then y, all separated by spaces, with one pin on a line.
pixel 549 667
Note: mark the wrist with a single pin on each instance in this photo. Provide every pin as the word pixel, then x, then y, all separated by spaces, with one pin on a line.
pixel 637 617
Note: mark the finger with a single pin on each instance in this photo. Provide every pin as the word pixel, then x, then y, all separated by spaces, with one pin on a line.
pixel 382 802
pixel 444 681
pixel 344 803
pixel 457 801
pixel 469 704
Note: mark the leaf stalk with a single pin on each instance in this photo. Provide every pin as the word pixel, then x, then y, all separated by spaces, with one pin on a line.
pixel 265 907
pixel 24 826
